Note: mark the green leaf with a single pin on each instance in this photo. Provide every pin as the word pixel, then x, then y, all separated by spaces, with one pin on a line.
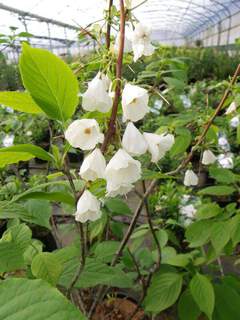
pixel 163 292
pixel 50 82
pixel 47 266
pixel 12 246
pixel 198 233
pixel 33 211
pixel 203 294
pixel 117 206
pixel 217 191
pixel 208 210
pixel 20 101
pixel 222 175
pixel 105 250
pixel 95 273
pixel 227 303
pixel 62 197
pixel 23 299
pixel 187 307
pixel 22 152
pixel 220 235
pixel 175 83
pixel 182 142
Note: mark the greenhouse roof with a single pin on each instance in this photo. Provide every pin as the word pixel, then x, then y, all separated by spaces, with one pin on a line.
pixel 170 19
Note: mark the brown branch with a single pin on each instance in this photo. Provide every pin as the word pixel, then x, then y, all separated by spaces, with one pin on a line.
pixel 109 22
pixel 112 123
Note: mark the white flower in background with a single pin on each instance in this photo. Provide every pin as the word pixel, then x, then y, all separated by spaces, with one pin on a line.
pixel 134 102
pixel 141 41
pixel 223 143
pixel 127 42
pixel 226 160
pixel 9 110
pixel 84 134
pixel 234 122
pixel 93 166
pixel 121 172
pixel 8 140
pixel 29 133
pixel 133 141
pixel 88 208
pixel 208 157
pixel 188 211
pixel 158 145
pixel 97 96
pixel 232 108
pixel 190 178
pixel 186 101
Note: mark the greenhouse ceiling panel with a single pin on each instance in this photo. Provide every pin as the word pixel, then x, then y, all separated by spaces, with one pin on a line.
pixel 170 19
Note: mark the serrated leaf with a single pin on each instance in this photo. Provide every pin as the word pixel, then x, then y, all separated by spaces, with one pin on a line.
pixel 203 294
pixel 117 206
pixel 47 266
pixel 35 300
pixel 198 233
pixel 217 191
pixel 208 210
pixel 32 211
pixel 20 101
pixel 22 152
pixel 187 307
pixel 12 246
pixel 50 81
pixel 222 175
pixel 219 235
pixel 163 292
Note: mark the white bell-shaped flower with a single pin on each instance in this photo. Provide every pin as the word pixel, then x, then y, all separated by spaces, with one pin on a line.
pixel 133 141
pixel 97 96
pixel 88 208
pixel 134 102
pixel 234 122
pixel 121 172
pixel 190 178
pixel 208 157
pixel 158 145
pixel 141 41
pixel 84 134
pixel 93 166
pixel 232 108
pixel 225 160
pixel 8 140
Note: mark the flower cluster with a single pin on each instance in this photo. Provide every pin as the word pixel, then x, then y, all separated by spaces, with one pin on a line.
pixel 122 171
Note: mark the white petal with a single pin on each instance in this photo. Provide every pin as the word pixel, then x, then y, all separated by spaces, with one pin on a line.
pixel 93 166
pixel 134 102
pixel 133 141
pixel 208 157
pixel 122 169
pixel 190 178
pixel 158 145
pixel 96 97
pixel 234 122
pixel 88 208
pixel 84 134
pixel 115 190
pixel 231 108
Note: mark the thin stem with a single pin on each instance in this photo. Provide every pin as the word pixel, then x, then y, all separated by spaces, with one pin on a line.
pixel 109 22
pixel 112 123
